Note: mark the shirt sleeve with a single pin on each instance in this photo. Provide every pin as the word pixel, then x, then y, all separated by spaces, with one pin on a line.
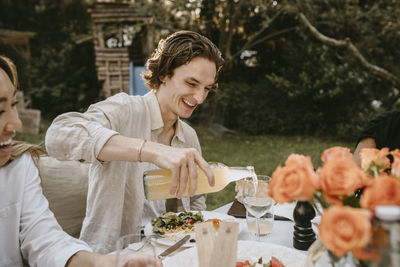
pixel 81 136
pixel 43 242
pixel 384 129
pixel 198 202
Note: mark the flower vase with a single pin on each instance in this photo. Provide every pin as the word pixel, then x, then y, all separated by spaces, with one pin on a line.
pixel 320 256
pixel 328 259
pixel 303 234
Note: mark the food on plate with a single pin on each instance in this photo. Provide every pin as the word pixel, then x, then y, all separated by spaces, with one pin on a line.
pixel 215 223
pixel 171 222
pixel 245 263
pixel 274 262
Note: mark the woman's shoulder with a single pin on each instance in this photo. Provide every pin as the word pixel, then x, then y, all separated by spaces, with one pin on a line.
pixel 18 167
pixel 24 159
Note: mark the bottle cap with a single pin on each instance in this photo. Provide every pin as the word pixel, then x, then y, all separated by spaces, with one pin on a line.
pixel 388 213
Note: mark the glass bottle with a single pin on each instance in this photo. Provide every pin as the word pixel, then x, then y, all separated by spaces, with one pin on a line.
pixel 158 182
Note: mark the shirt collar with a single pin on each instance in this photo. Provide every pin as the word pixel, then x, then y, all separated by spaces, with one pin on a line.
pixel 156 118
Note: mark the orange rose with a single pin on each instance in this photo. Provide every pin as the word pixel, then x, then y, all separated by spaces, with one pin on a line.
pixel 340 177
pixel 396 163
pixel 395 153
pixel 373 156
pixel 384 190
pixel 336 151
pixel 297 180
pixel 344 229
pixel 396 168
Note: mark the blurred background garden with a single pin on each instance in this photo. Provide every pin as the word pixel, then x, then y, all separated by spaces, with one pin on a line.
pixel 299 77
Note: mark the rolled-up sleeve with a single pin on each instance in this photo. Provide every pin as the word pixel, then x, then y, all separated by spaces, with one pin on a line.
pixel 81 136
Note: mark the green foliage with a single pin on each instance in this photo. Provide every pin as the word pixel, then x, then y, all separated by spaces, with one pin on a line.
pixel 300 85
pixel 295 84
pixel 75 91
pixel 323 102
pixel 62 73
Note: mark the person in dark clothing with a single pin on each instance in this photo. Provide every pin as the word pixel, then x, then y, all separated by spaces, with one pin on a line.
pixel 382 131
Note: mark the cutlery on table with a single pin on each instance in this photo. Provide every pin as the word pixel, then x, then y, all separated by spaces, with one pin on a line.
pixel 146 240
pixel 173 247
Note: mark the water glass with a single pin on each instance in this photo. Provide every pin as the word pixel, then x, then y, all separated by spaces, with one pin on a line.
pixel 266 223
pixel 258 204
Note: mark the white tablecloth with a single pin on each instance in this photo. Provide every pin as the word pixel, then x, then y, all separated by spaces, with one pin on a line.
pixel 282 233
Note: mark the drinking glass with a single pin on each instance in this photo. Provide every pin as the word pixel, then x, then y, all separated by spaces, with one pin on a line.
pixel 256 199
pixel 266 223
pixel 135 250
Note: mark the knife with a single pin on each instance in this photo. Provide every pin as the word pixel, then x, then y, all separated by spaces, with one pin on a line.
pixel 173 247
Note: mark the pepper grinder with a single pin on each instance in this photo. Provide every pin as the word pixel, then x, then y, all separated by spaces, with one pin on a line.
pixel 303 234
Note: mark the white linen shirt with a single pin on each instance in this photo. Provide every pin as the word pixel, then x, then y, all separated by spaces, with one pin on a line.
pixel 116 204
pixel 29 232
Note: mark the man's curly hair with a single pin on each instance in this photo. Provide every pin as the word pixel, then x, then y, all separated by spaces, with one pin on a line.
pixel 176 50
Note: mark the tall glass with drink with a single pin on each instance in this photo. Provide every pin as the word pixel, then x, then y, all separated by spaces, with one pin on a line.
pixel 259 206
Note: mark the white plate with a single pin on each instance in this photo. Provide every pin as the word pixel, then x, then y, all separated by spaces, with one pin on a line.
pixel 172 238
pixel 250 250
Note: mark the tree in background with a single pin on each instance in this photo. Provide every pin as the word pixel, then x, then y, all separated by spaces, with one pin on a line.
pixel 62 72
pixel 280 77
pixel 298 84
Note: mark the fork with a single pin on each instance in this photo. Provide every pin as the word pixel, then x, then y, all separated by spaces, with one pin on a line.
pixel 146 241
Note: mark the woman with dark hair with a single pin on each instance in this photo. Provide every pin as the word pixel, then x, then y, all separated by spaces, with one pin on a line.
pixel 29 231
pixel 123 136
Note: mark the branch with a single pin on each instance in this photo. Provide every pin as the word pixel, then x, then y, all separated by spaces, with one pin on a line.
pixel 267 37
pixel 252 41
pixel 375 70
pixel 368 13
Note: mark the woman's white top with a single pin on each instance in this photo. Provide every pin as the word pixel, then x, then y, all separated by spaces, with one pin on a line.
pixel 29 232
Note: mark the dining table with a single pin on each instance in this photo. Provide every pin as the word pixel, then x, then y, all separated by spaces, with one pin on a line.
pixel 282 232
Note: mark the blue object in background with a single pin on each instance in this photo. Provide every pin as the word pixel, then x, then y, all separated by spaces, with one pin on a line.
pixel 137 86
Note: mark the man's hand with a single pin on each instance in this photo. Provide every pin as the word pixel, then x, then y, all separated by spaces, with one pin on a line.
pixel 183 164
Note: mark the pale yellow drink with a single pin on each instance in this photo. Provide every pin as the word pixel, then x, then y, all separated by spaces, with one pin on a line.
pixel 265 226
pixel 158 182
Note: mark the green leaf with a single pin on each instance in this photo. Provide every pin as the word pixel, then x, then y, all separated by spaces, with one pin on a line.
pixel 351 201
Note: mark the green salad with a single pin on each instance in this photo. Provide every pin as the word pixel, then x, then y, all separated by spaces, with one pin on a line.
pixel 171 222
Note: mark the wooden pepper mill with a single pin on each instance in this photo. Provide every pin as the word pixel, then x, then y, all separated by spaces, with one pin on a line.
pixel 303 235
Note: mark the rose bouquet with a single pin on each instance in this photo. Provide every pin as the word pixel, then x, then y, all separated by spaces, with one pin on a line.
pixel 347 194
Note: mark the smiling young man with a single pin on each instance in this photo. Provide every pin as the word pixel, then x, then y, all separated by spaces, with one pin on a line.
pixel 124 136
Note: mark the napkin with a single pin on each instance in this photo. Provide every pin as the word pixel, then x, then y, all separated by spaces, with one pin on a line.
pixel 238 210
